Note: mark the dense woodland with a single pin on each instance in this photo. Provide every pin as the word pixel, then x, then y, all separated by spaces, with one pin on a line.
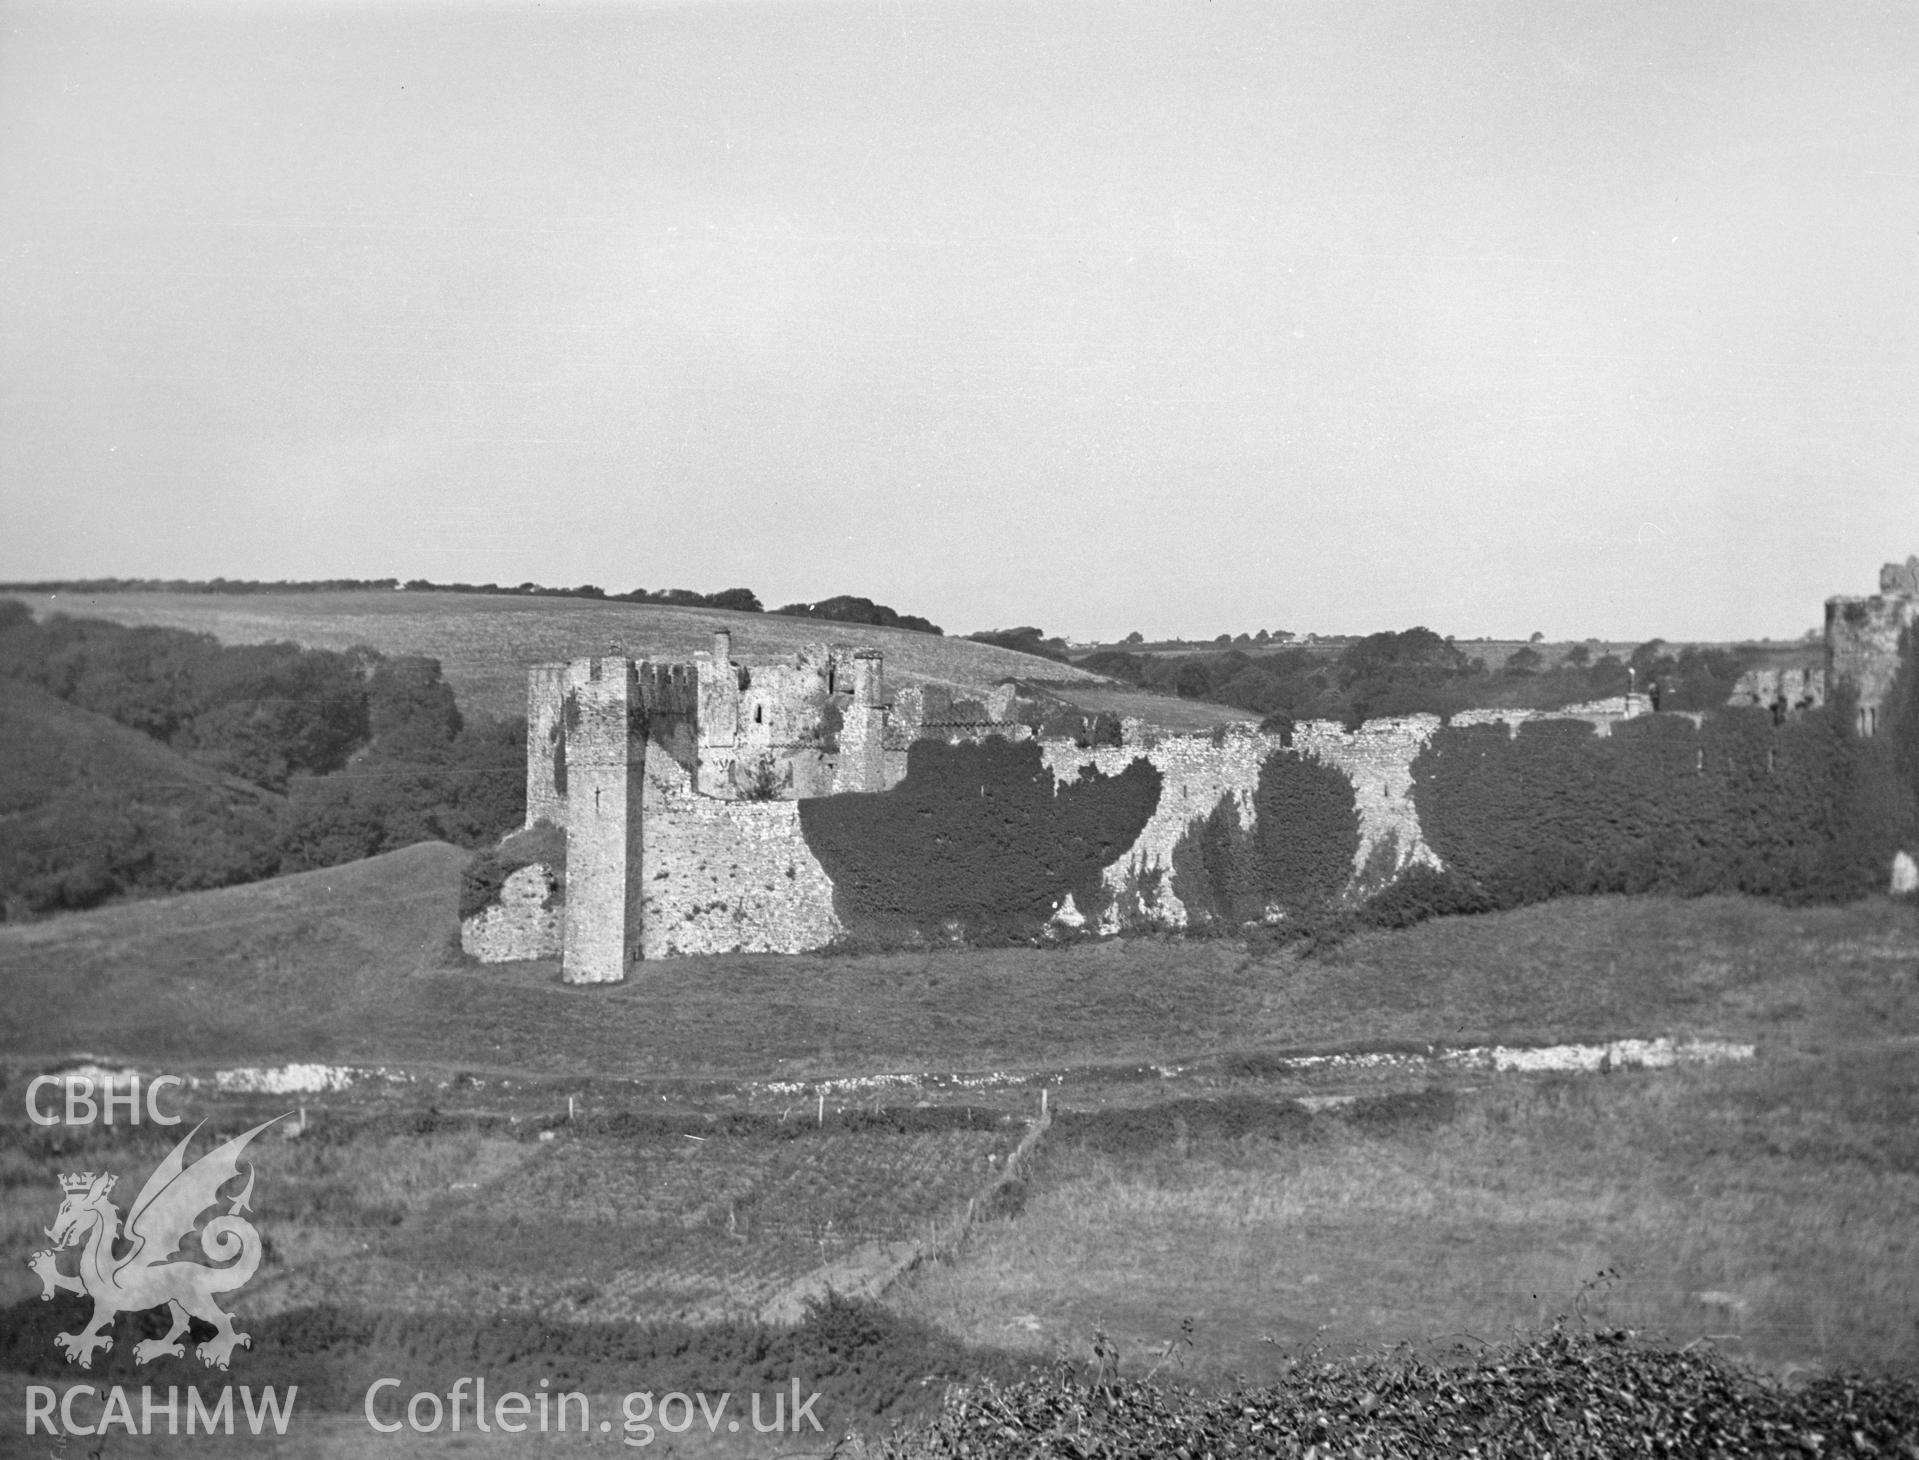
pixel 252 760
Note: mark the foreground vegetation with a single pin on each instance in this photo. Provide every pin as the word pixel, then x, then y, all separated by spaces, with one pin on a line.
pixel 1560 1392
pixel 1240 1230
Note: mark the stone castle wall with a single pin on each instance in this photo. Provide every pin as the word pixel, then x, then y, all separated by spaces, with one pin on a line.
pixel 719 876
pixel 605 741
pixel 677 845
pixel 523 924
pixel 1862 648
pixel 545 753
pixel 1783 691
pixel 667 859
pixel 1197 773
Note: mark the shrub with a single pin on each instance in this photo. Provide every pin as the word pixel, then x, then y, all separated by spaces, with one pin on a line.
pixel 850 609
pixel 483 877
pixel 1025 639
pixel 411 788
pixel 1560 1391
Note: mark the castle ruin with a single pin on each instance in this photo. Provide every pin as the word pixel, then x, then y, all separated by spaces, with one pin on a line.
pixel 679 788
pixel 1863 637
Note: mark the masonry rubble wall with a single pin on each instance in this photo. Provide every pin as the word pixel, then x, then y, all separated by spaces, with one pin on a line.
pixel 545 755
pixel 768 722
pixel 1862 647
pixel 1199 771
pixel 524 923
pixel 1196 774
pixel 863 762
pixel 659 867
pixel 1378 759
pixel 605 731
pixel 1602 715
pixel 719 876
pixel 1786 690
pixel 669 696
pixel 1900 578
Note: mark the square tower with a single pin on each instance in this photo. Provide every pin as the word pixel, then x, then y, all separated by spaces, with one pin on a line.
pixel 605 747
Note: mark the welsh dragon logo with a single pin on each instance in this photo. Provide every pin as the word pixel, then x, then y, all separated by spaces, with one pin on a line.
pixel 152 1270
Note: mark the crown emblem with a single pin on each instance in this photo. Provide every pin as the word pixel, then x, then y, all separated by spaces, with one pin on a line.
pixel 76 1181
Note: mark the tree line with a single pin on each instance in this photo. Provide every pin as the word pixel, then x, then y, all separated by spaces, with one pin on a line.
pixel 844 608
pixel 1412 671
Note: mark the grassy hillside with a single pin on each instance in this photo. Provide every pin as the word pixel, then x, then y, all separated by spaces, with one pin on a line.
pixel 86 800
pixel 485 643
pixel 53 748
pixel 359 963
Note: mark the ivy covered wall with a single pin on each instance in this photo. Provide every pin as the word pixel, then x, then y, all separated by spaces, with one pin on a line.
pixel 1802 810
pixel 980 840
pixel 1295 857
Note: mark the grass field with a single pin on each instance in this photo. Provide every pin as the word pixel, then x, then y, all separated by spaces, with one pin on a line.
pixel 358 964
pixel 485 643
pixel 1770 1204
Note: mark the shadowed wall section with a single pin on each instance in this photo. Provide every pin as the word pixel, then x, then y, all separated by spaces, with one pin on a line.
pixel 980 840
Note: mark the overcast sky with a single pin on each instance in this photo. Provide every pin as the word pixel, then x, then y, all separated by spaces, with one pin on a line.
pixel 1184 317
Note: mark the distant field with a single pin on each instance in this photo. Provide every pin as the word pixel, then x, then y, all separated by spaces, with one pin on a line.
pixel 359 963
pixel 485 642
